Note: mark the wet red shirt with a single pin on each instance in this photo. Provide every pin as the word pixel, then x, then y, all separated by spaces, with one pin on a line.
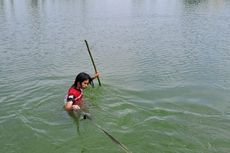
pixel 75 95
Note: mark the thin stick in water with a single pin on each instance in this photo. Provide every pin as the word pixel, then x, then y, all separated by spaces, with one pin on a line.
pixel 91 57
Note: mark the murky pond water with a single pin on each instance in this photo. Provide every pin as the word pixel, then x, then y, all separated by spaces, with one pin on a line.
pixel 165 73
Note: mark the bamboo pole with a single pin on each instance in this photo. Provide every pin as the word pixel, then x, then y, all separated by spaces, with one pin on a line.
pixel 91 57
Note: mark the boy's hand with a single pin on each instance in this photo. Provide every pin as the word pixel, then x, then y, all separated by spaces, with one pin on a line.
pixel 96 75
pixel 75 107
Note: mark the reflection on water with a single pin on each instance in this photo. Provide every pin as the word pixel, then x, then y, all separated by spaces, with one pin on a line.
pixel 164 68
pixel 105 7
pixel 197 2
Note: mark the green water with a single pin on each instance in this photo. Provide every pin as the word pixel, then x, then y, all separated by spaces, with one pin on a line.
pixel 165 71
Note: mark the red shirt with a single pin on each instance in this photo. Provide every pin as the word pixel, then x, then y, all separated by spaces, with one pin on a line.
pixel 75 96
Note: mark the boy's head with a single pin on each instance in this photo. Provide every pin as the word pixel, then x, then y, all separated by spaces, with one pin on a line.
pixel 82 80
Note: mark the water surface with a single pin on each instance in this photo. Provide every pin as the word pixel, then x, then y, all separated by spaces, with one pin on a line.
pixel 164 68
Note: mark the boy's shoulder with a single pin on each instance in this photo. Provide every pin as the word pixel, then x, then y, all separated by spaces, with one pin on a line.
pixel 74 91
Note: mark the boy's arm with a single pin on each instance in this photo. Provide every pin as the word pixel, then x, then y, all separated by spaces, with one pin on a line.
pixel 95 75
pixel 69 106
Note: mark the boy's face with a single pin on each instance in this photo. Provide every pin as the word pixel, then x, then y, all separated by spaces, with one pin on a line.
pixel 84 84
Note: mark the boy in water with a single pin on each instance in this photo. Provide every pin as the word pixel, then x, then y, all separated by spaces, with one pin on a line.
pixel 74 99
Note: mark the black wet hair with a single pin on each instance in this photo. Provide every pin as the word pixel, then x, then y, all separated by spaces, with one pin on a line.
pixel 82 77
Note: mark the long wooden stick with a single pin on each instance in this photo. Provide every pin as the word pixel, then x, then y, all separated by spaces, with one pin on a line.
pixel 123 147
pixel 91 57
